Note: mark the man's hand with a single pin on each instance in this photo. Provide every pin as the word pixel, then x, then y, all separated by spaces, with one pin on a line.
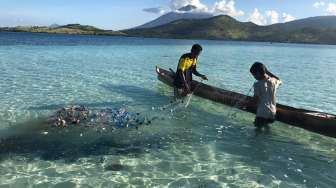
pixel 204 77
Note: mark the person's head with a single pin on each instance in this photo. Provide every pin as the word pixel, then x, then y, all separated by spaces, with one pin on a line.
pixel 258 70
pixel 196 50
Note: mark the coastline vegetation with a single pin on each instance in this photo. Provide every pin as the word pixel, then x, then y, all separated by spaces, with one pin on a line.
pixel 74 29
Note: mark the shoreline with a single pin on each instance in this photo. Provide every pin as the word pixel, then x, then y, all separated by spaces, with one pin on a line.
pixel 167 38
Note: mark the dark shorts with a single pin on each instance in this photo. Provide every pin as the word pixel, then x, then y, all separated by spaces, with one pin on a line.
pixel 262 122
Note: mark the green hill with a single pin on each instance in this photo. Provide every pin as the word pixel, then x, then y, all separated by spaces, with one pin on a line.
pixel 312 22
pixel 80 27
pixel 220 27
pixel 66 29
pixel 319 30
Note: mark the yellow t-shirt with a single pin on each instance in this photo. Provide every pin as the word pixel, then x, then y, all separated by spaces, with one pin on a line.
pixel 186 63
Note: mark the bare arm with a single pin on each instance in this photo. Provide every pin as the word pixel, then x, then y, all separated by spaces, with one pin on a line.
pixel 195 72
pixel 272 75
pixel 255 99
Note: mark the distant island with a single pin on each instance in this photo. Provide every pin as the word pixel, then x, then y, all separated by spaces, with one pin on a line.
pixel 314 30
pixel 75 29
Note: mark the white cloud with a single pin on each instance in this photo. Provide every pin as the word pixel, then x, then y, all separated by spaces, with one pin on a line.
pixel 331 9
pixel 319 4
pixel 257 18
pixel 273 16
pixel 155 10
pixel 270 17
pixel 177 4
pixel 228 8
pixel 220 7
pixel 287 17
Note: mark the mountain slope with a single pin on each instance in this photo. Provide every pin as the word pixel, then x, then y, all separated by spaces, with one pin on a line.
pixel 317 22
pixel 219 27
pixel 311 30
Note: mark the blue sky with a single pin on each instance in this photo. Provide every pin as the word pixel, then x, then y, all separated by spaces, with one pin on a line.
pixel 121 14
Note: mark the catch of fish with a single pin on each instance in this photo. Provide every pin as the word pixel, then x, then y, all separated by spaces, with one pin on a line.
pixel 83 116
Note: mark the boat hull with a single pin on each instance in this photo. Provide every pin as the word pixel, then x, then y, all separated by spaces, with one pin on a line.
pixel 314 121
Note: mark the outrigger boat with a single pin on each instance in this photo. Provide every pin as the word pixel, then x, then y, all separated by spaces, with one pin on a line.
pixel 318 122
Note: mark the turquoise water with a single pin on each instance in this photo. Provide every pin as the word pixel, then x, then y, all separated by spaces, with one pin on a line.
pixel 203 145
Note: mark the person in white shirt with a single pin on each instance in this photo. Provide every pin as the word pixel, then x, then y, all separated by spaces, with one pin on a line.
pixel 265 90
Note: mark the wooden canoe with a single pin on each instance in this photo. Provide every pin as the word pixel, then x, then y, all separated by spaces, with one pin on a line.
pixel 318 122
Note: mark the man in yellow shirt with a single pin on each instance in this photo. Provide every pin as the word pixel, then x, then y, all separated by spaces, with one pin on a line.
pixel 186 67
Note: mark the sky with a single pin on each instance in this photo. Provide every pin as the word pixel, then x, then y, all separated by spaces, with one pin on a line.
pixel 124 14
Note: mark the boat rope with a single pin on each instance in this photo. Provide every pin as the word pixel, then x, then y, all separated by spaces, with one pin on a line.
pixel 192 93
pixel 239 103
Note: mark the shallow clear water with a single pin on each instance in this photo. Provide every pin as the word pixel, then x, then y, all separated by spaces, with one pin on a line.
pixel 201 146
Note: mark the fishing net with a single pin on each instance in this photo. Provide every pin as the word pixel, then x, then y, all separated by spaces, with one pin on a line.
pixel 83 116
